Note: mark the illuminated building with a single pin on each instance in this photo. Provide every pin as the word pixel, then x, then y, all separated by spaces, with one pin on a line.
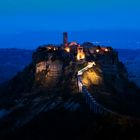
pixel 80 53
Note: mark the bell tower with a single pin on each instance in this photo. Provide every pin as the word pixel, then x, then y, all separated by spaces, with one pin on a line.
pixel 65 39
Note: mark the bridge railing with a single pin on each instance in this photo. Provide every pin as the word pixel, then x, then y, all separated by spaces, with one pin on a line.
pixel 98 108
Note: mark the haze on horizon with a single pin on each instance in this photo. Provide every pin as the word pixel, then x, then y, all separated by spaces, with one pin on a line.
pixel 17 17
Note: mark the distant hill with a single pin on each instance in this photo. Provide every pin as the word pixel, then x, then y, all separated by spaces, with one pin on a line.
pixel 13 61
pixel 131 59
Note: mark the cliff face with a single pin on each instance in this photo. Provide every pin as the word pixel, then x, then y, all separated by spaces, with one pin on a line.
pixel 53 67
pixel 48 73
pixel 49 86
pixel 92 77
pixel 115 76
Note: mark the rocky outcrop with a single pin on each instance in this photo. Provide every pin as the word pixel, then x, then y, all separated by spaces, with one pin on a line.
pixel 54 73
pixel 49 73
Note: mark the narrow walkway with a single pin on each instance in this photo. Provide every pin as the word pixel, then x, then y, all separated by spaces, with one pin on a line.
pixel 80 73
pixel 93 104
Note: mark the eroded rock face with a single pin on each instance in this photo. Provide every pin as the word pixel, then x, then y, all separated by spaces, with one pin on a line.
pixel 54 73
pixel 49 73
pixel 41 66
pixel 92 77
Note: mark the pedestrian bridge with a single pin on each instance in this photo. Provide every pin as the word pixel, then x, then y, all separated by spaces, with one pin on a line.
pixel 90 100
pixel 80 73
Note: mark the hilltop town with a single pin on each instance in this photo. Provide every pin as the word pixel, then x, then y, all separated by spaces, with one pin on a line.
pixel 85 80
pixel 53 59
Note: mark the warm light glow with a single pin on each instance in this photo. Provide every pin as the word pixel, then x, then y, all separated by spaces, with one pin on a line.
pixel 67 49
pixel 49 48
pixel 80 53
pixel 90 77
pixel 97 50
pixel 80 56
pixel 106 50
pixel 90 65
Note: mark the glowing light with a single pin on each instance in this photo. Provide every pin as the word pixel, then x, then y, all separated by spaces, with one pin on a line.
pixel 49 48
pixel 106 50
pixel 67 49
pixel 97 50
pixel 90 65
pixel 91 77
pixel 80 53
pixel 80 56
pixel 88 76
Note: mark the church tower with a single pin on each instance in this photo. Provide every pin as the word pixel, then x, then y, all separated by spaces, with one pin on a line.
pixel 80 53
pixel 65 39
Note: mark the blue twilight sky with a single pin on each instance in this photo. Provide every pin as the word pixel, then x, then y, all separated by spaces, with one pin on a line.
pixel 25 15
pixel 28 16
